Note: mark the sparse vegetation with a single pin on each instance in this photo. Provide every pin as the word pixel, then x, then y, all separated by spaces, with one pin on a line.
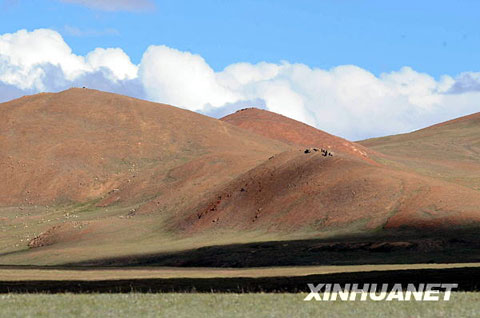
pixel 155 186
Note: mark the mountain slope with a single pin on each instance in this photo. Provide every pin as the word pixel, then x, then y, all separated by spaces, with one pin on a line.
pixel 449 151
pixel 308 192
pixel 92 175
pixel 278 127
pixel 81 145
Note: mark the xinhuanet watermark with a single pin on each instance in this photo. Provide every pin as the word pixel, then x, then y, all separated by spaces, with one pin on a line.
pixel 380 292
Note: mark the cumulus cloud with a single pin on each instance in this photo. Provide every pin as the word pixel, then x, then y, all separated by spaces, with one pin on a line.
pixel 115 5
pixel 346 100
pixel 41 59
pixel 182 78
pixel 115 60
pixel 23 54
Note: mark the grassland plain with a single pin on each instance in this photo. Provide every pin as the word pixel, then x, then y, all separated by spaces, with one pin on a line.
pixel 225 305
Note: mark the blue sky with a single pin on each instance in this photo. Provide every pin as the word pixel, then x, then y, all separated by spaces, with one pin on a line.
pixel 437 37
pixel 357 69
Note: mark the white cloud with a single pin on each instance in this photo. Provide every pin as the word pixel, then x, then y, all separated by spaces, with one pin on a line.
pixel 23 53
pixel 26 58
pixel 181 78
pixel 117 61
pixel 115 5
pixel 237 75
pixel 346 100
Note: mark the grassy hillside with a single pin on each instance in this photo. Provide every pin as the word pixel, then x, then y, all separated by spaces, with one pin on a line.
pixel 448 151
pixel 92 176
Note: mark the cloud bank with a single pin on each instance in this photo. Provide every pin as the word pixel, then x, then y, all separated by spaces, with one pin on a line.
pixel 346 100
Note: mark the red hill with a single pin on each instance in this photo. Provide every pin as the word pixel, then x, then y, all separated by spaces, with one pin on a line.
pixel 293 132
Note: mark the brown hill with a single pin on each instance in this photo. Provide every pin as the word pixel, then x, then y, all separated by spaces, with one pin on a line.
pixel 81 145
pixel 278 127
pixel 308 192
pixel 93 175
pixel 449 151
